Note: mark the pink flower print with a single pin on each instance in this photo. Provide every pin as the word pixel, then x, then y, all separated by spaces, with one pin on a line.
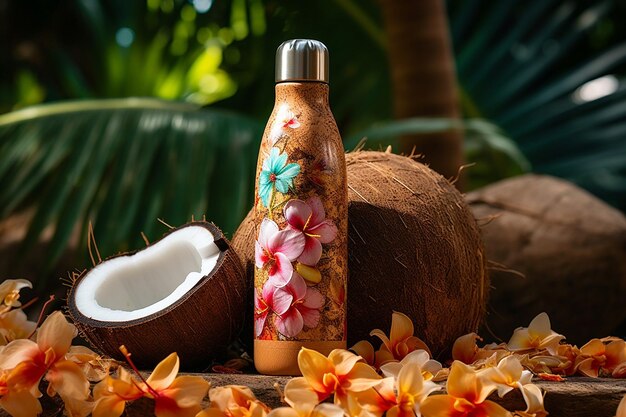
pixel 291 121
pixel 261 310
pixel 310 218
pixel 304 309
pixel 276 249
pixel 285 120
pixel 271 299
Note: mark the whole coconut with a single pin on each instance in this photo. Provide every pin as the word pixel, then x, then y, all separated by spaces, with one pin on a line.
pixel 570 247
pixel 414 247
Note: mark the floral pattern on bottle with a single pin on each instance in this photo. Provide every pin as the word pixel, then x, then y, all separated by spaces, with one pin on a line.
pixel 290 255
pixel 276 176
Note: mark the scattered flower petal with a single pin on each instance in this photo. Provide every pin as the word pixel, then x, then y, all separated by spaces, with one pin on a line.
pixel 365 350
pixel 236 401
pixel 111 394
pixel 340 373
pixel 400 342
pixel 597 357
pixel 10 293
pixel 15 325
pixel 538 335
pixel 467 393
pixel 430 368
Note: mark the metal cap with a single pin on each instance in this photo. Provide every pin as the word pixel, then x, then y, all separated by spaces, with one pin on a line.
pixel 302 60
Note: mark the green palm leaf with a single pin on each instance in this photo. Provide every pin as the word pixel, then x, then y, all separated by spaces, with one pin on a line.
pixel 122 164
pixel 510 65
pixel 494 155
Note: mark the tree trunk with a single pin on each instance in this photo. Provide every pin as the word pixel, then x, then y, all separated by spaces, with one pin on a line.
pixel 423 77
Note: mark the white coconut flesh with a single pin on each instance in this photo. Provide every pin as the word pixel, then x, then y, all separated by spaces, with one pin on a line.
pixel 132 287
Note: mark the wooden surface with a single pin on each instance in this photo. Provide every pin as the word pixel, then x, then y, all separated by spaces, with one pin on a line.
pixel 575 397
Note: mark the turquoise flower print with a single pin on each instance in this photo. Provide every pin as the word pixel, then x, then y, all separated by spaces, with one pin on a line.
pixel 276 175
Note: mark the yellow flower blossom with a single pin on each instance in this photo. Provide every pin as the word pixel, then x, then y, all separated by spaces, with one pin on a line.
pixel 430 368
pixel 598 357
pixel 538 335
pixel 10 293
pixel 466 397
pixel 111 394
pixel 508 375
pixel 341 373
pixel 373 402
pixel 94 366
pixel 18 403
pixel 303 402
pixel 539 364
pixel 173 396
pixel 366 351
pixel 234 401
pixel 28 361
pixel 412 390
pixel 400 341
pixel 534 401
pixel 15 325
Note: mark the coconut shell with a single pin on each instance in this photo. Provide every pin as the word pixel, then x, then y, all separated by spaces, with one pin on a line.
pixel 414 247
pixel 570 248
pixel 199 326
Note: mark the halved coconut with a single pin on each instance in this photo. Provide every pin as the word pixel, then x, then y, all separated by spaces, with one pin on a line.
pixel 184 293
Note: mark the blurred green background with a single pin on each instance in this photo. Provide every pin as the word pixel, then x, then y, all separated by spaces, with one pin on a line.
pixel 119 113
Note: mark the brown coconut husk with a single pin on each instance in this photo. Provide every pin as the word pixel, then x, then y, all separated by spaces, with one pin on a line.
pixel 570 248
pixel 414 247
pixel 199 326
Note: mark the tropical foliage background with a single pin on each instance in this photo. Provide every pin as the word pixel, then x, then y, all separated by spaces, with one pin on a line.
pixel 121 113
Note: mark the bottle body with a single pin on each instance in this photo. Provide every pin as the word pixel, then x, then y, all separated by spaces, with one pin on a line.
pixel 301 218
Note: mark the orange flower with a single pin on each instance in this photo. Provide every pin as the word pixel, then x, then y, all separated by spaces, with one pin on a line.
pixel 373 402
pixel 234 401
pixel 111 394
pixel 508 374
pixel 412 390
pixel 534 401
pixel 304 402
pixel 28 361
pixel 94 366
pixel 173 396
pixel 320 410
pixel 341 373
pixel 598 357
pixel 17 403
pixel 400 342
pixel 544 363
pixel 465 348
pixel 365 350
pixel 467 393
pixel 430 368
pixel 538 335
pixel 467 351
pixel 568 354
pixel 15 325
pixel 10 293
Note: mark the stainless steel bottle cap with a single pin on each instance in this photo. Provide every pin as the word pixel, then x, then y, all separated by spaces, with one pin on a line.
pixel 302 60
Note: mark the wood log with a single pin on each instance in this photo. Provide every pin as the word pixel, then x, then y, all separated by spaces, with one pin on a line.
pixel 574 397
